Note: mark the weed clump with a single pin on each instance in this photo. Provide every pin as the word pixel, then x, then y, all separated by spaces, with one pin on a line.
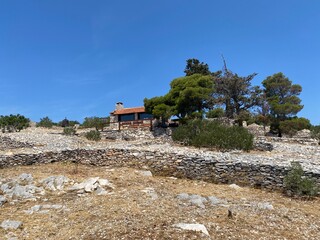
pixel 69 131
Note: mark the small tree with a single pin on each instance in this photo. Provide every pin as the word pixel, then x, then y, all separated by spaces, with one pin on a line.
pixel 96 122
pixel 45 122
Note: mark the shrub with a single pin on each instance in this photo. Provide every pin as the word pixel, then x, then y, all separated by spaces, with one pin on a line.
pixel 204 133
pixel 215 113
pixel 45 122
pixel 69 131
pixel 244 115
pixel 292 126
pixel 93 135
pixel 298 185
pixel 315 132
pixel 13 123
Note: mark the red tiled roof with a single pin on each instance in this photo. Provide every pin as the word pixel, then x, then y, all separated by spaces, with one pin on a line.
pixel 129 110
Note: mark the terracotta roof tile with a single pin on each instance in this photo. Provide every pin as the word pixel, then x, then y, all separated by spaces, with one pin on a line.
pixel 129 110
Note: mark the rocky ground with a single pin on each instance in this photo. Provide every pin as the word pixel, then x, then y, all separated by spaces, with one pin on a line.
pixel 44 140
pixel 69 201
pixel 87 202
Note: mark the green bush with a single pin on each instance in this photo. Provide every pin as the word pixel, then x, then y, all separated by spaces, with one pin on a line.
pixel 215 113
pixel 13 123
pixel 292 126
pixel 45 122
pixel 298 185
pixel 69 131
pixel 93 135
pixel 212 134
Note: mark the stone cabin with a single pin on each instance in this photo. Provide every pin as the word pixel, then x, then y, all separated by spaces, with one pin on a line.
pixel 125 118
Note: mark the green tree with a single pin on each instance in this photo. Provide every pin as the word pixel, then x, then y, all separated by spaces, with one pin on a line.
pixel 195 67
pixel 282 98
pixel 45 122
pixel 187 96
pixel 235 92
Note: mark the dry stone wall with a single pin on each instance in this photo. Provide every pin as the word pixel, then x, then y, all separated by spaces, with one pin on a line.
pixel 198 167
pixel 8 143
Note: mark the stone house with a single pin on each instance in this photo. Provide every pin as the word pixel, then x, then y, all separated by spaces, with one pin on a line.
pixel 125 118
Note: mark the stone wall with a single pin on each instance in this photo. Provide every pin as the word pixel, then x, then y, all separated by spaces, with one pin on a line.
pixel 208 169
pixel 8 143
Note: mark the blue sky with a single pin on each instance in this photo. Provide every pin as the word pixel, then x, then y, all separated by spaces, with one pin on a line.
pixel 77 58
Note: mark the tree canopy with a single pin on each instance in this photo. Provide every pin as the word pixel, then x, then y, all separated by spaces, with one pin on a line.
pixel 195 67
pixel 187 95
pixel 282 96
pixel 235 92
pixel 202 91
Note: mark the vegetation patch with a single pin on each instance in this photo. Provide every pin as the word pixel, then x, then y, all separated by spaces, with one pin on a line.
pixel 212 134
pixel 296 184
pixel 93 135
pixel 69 131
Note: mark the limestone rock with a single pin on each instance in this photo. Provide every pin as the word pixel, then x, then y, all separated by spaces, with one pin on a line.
pixel 105 183
pixel 183 196
pixel 145 173
pixel 235 186
pixel 265 206
pixel 2 200
pixel 8 224
pixel 54 183
pixel 25 177
pixel 215 201
pixel 192 227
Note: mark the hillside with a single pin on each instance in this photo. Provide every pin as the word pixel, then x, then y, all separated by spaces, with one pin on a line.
pixel 128 203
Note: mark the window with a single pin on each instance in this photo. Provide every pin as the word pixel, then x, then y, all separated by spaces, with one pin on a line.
pixel 142 116
pixel 126 117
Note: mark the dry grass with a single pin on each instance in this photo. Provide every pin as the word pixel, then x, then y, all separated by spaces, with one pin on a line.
pixel 128 213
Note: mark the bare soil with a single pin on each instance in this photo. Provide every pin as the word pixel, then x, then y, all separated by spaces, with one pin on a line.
pixel 129 213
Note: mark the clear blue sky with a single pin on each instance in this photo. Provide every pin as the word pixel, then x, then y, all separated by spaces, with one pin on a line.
pixel 77 58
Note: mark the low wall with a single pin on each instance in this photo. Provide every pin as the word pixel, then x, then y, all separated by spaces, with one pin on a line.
pixel 208 169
